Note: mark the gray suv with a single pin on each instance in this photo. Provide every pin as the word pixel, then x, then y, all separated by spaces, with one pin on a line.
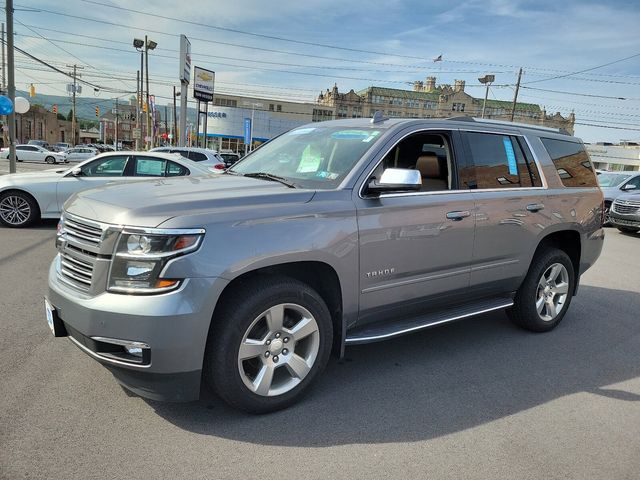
pixel 335 234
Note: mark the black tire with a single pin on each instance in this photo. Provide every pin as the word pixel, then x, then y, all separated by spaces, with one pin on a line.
pixel 50 160
pixel 628 229
pixel 15 198
pixel 524 312
pixel 232 321
pixel 607 221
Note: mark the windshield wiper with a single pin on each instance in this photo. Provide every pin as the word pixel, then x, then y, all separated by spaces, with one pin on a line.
pixel 269 176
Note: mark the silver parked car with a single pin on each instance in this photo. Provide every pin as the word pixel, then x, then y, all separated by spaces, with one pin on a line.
pixel 204 156
pixel 613 184
pixel 26 197
pixel 78 154
pixel 35 153
pixel 342 233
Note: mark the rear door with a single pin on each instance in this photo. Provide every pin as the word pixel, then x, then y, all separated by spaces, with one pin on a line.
pixel 509 209
pixel 415 247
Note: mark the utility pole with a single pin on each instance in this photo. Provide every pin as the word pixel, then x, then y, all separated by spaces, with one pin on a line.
pixel 175 119
pixel 138 122
pixel 515 96
pixel 116 135
pixel 11 118
pixel 146 60
pixel 3 64
pixel 73 101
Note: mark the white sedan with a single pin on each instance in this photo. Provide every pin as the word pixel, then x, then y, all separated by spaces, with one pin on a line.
pixel 78 154
pixel 35 153
pixel 27 197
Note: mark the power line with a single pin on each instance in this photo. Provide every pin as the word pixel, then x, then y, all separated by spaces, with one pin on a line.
pixel 573 73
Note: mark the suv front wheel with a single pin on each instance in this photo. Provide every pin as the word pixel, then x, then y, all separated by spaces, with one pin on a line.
pixel 545 295
pixel 270 340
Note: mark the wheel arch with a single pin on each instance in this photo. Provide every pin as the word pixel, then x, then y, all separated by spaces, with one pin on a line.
pixel 26 192
pixel 570 242
pixel 319 275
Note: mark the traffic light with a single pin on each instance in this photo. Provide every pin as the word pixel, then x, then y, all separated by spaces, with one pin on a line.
pixel 144 107
pixel 55 109
pixel 97 111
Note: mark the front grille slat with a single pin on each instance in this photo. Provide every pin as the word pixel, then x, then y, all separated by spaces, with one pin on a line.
pixel 626 209
pixel 79 253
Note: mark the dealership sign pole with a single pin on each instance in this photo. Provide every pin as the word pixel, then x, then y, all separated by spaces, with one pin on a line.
pixel 185 78
pixel 203 84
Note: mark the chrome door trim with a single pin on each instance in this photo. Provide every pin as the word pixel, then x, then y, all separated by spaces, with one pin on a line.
pixel 425 278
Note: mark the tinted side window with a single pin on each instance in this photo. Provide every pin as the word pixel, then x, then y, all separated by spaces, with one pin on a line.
pixel 634 181
pixel 197 156
pixel 109 167
pixel 529 174
pixel 495 160
pixel 572 163
pixel 175 170
pixel 184 153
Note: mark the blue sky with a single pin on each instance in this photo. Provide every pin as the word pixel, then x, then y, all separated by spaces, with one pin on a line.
pixel 547 39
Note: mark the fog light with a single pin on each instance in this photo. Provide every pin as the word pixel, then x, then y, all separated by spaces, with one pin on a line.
pixel 134 351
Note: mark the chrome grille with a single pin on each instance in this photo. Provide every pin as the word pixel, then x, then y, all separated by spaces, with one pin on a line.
pixel 79 242
pixel 74 270
pixel 626 208
pixel 82 231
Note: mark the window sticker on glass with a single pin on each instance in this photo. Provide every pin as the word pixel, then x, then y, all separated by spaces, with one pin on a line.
pixel 310 160
pixel 351 134
pixel 149 167
pixel 371 137
pixel 301 131
pixel 511 156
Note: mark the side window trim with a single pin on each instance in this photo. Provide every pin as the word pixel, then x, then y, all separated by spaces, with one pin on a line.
pixel 521 137
pixel 456 148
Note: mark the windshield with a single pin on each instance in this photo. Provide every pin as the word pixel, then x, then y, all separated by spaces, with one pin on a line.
pixel 311 157
pixel 611 179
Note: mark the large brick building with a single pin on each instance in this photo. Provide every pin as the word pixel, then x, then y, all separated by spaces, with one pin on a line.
pixel 428 100
pixel 41 124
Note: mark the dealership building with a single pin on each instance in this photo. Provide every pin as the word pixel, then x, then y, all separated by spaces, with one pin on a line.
pixel 226 120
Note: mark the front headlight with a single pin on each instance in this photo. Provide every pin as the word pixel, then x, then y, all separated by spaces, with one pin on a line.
pixel 141 256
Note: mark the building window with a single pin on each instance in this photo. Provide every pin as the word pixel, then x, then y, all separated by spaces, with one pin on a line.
pixel 430 105
pixel 320 115
pixel 356 112
pixel 279 108
pixel 457 107
pixel 342 111
pixel 271 107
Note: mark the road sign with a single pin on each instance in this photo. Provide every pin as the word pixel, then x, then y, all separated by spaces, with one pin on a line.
pixel 135 133
pixel 185 60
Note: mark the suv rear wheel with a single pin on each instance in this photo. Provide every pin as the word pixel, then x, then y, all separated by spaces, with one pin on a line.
pixel 545 295
pixel 269 342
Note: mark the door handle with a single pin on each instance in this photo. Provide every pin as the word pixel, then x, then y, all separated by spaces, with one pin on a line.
pixel 535 207
pixel 458 215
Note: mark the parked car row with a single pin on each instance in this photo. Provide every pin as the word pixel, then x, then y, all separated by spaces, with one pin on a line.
pixel 27 197
pixel 35 153
pixel 614 184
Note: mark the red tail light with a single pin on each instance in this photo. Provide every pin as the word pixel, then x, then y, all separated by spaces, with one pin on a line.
pixel 219 166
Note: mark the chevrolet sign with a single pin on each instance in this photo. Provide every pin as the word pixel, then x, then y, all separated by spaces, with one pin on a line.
pixel 203 84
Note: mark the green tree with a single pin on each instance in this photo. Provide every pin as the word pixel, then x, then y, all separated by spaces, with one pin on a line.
pixel 61 116
pixel 70 115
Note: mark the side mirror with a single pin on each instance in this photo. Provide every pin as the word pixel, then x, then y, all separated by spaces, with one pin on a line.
pixel 76 172
pixel 629 187
pixel 396 180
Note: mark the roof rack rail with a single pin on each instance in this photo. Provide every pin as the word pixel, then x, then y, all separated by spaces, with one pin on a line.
pixel 506 123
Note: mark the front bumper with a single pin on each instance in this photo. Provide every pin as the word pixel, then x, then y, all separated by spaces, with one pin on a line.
pixel 618 220
pixel 174 326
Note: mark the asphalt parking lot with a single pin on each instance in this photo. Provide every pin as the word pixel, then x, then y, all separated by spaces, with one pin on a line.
pixel 477 399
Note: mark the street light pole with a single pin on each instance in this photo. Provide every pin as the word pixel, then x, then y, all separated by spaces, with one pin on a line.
pixel 146 61
pixel 11 87
pixel 175 119
pixel 486 80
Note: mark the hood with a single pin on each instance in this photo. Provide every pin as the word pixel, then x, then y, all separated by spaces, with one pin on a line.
pixel 49 174
pixel 629 197
pixel 149 203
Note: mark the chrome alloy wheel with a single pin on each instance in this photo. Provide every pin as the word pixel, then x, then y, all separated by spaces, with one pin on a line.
pixel 552 292
pixel 15 210
pixel 278 349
